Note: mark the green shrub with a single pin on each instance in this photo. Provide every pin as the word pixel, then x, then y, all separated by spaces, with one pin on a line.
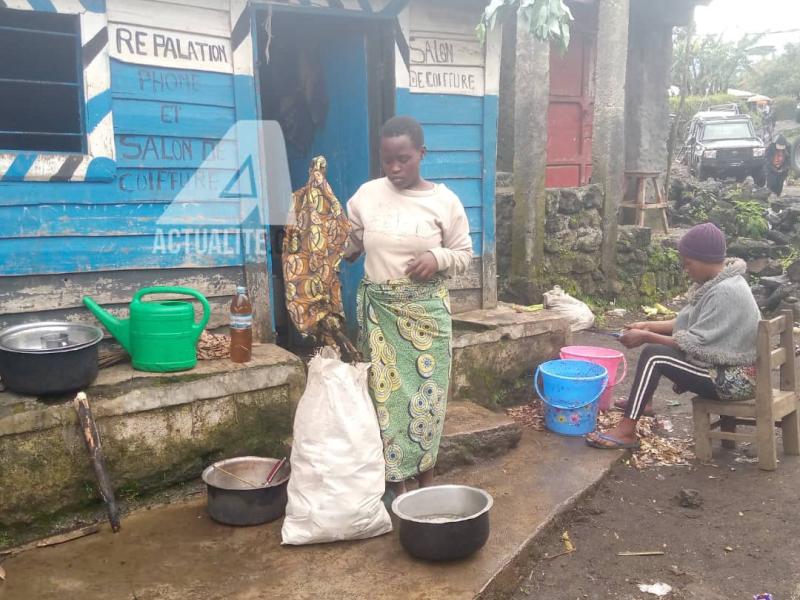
pixel 697 103
pixel 751 218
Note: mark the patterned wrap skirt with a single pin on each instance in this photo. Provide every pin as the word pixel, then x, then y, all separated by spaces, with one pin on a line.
pixel 406 334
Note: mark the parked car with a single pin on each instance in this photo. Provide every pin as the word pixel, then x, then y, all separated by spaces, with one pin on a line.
pixel 722 145
pixel 713 112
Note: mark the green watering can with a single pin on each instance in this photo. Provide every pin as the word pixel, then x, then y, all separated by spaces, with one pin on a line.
pixel 160 336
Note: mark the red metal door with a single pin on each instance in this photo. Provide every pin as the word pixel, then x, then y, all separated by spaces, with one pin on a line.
pixel 571 109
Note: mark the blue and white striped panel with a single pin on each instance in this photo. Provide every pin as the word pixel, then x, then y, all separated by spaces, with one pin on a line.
pixel 98 163
pixel 71 7
pixel 241 40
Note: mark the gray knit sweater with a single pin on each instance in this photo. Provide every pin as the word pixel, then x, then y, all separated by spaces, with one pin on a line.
pixel 718 326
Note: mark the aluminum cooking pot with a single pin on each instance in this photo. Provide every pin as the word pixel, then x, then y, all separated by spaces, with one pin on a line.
pixel 232 501
pixel 445 522
pixel 51 357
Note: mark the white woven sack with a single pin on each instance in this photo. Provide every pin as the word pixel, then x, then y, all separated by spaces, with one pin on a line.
pixel 338 473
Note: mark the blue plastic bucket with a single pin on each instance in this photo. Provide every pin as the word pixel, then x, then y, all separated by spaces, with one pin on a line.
pixel 570 390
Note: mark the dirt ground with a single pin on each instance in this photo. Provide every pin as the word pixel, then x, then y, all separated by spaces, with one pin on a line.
pixel 742 541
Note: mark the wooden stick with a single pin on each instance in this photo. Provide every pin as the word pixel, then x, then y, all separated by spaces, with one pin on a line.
pixel 646 553
pixel 52 541
pixel 68 537
pixel 92 438
pixel 559 554
pixel 243 480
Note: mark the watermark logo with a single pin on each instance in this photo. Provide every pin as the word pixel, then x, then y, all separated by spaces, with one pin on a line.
pixel 224 206
pixel 211 242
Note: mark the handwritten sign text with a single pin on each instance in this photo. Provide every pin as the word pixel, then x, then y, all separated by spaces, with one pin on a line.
pixel 151 46
pixel 446 66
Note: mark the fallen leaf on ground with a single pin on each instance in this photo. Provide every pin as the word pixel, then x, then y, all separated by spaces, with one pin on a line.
pixel 2 574
pixel 657 589
pixel 528 415
pixel 531 308
pixel 655 450
pixel 663 310
pixel 212 346
pixel 568 546
pixel 649 311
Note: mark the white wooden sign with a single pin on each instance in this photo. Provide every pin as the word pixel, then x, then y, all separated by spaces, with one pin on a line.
pixel 165 48
pixel 442 65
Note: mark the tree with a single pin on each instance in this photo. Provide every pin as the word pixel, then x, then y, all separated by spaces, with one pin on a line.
pixel 715 64
pixel 548 20
pixel 777 76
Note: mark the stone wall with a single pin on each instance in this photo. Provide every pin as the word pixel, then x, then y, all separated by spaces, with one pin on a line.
pixel 574 235
pixel 157 430
pixel 762 230
pixel 647 270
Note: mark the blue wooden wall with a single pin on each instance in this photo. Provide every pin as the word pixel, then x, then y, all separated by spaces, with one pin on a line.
pixel 167 125
pixel 456 130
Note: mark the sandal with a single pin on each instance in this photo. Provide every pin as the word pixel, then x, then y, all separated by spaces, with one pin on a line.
pixel 622 405
pixel 613 443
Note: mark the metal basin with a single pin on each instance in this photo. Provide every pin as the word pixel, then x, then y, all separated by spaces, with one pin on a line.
pixel 233 502
pixel 51 357
pixel 445 522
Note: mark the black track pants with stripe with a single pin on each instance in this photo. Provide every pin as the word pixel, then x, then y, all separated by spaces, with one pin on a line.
pixel 657 360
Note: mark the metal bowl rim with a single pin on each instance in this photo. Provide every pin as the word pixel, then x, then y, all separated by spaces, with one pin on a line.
pixel 487 496
pixel 235 459
pixel 97 338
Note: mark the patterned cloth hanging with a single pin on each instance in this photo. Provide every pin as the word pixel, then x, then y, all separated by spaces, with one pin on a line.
pixel 316 232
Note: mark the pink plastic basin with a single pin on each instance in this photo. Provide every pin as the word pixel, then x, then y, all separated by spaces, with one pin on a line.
pixel 606 357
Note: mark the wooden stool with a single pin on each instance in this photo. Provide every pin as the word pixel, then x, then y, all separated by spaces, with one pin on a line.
pixel 639 203
pixel 769 406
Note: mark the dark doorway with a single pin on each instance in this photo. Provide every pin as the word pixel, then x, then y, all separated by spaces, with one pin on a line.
pixel 329 82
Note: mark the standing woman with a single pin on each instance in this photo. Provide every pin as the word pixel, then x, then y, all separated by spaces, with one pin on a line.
pixel 415 235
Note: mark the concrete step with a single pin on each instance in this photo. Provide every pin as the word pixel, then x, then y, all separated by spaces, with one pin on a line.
pixel 496 351
pixel 473 433
pixel 177 552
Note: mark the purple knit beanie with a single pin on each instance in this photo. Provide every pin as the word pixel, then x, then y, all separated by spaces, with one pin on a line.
pixel 704 242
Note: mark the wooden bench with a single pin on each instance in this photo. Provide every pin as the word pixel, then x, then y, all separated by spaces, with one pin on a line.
pixel 770 405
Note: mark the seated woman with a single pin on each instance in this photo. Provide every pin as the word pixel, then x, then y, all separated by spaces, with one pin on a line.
pixel 708 349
